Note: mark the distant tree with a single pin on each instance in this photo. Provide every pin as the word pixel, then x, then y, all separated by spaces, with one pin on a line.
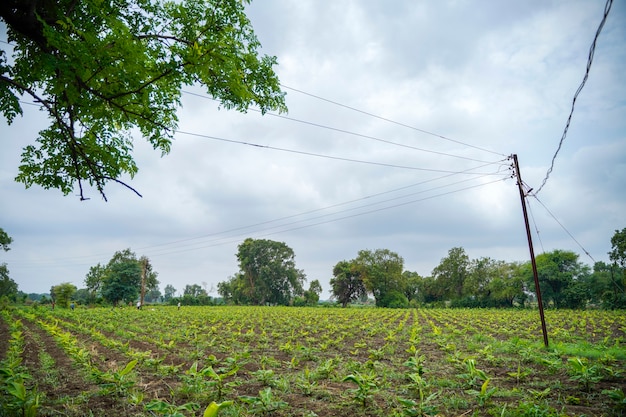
pixel 94 281
pixel 169 292
pixel 122 282
pixel 267 274
pixel 63 294
pixel 607 286
pixel 194 291
pixel 347 285
pixel 5 240
pixel 451 273
pixel 8 287
pixel 561 278
pixel 412 282
pixel 618 248
pixel 312 295
pixel 120 279
pixel 381 272
pixel 153 295
pixel 83 296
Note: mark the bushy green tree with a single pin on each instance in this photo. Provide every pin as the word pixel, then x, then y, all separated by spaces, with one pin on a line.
pixel 451 273
pixel 312 295
pixel 169 292
pixel 101 69
pixel 268 274
pixel 381 272
pixel 347 285
pixel 8 287
pixel 562 278
pixel 122 282
pixel 63 294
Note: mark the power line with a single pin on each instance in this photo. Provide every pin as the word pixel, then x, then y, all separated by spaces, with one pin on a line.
pixel 563 227
pixel 337 158
pixel 391 121
pixel 234 240
pixel 335 129
pixel 592 49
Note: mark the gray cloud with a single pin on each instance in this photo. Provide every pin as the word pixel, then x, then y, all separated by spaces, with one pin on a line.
pixel 497 77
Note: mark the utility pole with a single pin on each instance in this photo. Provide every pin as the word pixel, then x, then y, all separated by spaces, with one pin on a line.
pixel 522 195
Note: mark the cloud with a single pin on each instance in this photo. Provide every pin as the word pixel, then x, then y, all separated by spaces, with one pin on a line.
pixel 455 85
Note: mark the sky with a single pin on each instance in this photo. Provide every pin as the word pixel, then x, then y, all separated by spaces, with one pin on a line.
pixel 402 118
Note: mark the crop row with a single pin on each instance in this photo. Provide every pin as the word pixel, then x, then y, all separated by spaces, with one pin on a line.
pixel 306 361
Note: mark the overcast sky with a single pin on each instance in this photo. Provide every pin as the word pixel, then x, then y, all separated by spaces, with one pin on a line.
pixel 430 97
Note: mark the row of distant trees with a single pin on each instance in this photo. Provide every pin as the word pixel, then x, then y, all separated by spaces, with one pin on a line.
pixel 459 281
pixel 268 275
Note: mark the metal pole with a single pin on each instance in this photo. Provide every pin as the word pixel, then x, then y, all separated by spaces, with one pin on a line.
pixel 530 247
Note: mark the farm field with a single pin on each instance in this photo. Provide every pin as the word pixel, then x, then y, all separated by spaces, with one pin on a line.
pixel 287 361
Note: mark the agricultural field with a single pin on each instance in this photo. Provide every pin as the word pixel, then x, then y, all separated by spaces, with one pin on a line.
pixel 286 361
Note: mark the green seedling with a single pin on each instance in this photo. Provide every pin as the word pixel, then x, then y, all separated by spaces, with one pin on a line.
pixel 263 404
pixel 583 373
pixel 367 385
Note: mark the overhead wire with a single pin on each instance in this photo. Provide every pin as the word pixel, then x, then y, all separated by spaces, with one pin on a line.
pixel 216 238
pixel 347 132
pixel 592 49
pixel 392 121
pixel 264 233
pixel 564 228
pixel 337 158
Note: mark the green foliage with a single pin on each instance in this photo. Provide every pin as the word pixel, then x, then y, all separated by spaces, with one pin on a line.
pixel 381 272
pixel 63 293
pixel 583 373
pixel 367 386
pixel 451 273
pixel 347 285
pixel 16 397
pixel 263 404
pixel 118 382
pixel 103 69
pixel 8 287
pixel 268 275
pixel 5 239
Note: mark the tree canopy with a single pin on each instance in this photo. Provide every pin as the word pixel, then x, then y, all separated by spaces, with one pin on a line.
pixel 120 279
pixel 267 274
pixel 102 69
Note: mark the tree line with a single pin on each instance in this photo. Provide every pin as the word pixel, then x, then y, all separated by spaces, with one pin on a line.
pixel 268 276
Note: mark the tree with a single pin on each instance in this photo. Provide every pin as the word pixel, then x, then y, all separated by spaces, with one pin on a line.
pixel 267 275
pixel 312 295
pixel 451 273
pixel 8 287
pixel 607 286
pixel 102 69
pixel 557 271
pixel 169 292
pixel 122 279
pixel 618 248
pixel 347 284
pixel 5 240
pixel 122 282
pixel 381 272
pixel 94 280
pixel 194 291
pixel 63 293
pixel 412 282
